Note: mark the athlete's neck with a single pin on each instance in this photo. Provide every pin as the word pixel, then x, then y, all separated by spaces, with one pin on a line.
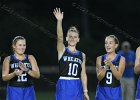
pixel 111 55
pixel 19 56
pixel 72 49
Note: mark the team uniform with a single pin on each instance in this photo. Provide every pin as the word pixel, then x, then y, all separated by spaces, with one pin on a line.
pixel 109 87
pixel 128 77
pixel 69 85
pixel 20 87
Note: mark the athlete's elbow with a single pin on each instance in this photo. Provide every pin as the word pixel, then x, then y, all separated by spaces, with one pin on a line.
pixel 37 76
pixel 136 71
pixel 119 77
pixel 4 78
pixel 99 77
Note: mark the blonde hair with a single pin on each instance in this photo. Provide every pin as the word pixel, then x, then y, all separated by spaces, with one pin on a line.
pixel 115 38
pixel 17 38
pixel 73 29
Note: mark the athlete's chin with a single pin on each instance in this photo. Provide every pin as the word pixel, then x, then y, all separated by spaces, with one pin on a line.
pixel 20 53
pixel 72 45
pixel 109 52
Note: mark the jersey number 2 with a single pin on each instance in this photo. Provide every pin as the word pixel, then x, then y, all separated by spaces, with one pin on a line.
pixel 73 69
pixel 22 78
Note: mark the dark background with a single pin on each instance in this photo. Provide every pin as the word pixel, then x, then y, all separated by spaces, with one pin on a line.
pixel 95 19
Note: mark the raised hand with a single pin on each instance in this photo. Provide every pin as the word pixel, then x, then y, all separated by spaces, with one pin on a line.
pixel 58 14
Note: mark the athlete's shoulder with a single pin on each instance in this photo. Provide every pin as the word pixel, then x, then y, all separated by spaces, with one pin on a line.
pixel 8 57
pixel 100 58
pixel 30 56
pixel 138 50
pixel 83 54
pixel 103 55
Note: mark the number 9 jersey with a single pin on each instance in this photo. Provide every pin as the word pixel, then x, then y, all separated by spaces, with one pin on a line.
pixel 109 87
pixel 109 80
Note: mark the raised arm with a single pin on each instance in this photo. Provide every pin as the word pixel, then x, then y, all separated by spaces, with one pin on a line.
pixel 84 78
pixel 137 61
pixel 60 45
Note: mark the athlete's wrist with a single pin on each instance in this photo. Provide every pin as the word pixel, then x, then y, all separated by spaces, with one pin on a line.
pixel 59 20
pixel 111 65
pixel 106 66
pixel 85 91
pixel 27 70
pixel 14 74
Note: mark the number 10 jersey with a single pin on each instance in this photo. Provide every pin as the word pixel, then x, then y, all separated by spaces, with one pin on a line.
pixel 70 64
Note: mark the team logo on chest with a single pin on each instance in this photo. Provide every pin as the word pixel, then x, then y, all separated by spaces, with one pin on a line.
pixel 16 65
pixel 73 59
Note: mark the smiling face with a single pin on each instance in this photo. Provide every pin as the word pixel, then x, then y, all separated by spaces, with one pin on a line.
pixel 110 44
pixel 72 38
pixel 19 46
